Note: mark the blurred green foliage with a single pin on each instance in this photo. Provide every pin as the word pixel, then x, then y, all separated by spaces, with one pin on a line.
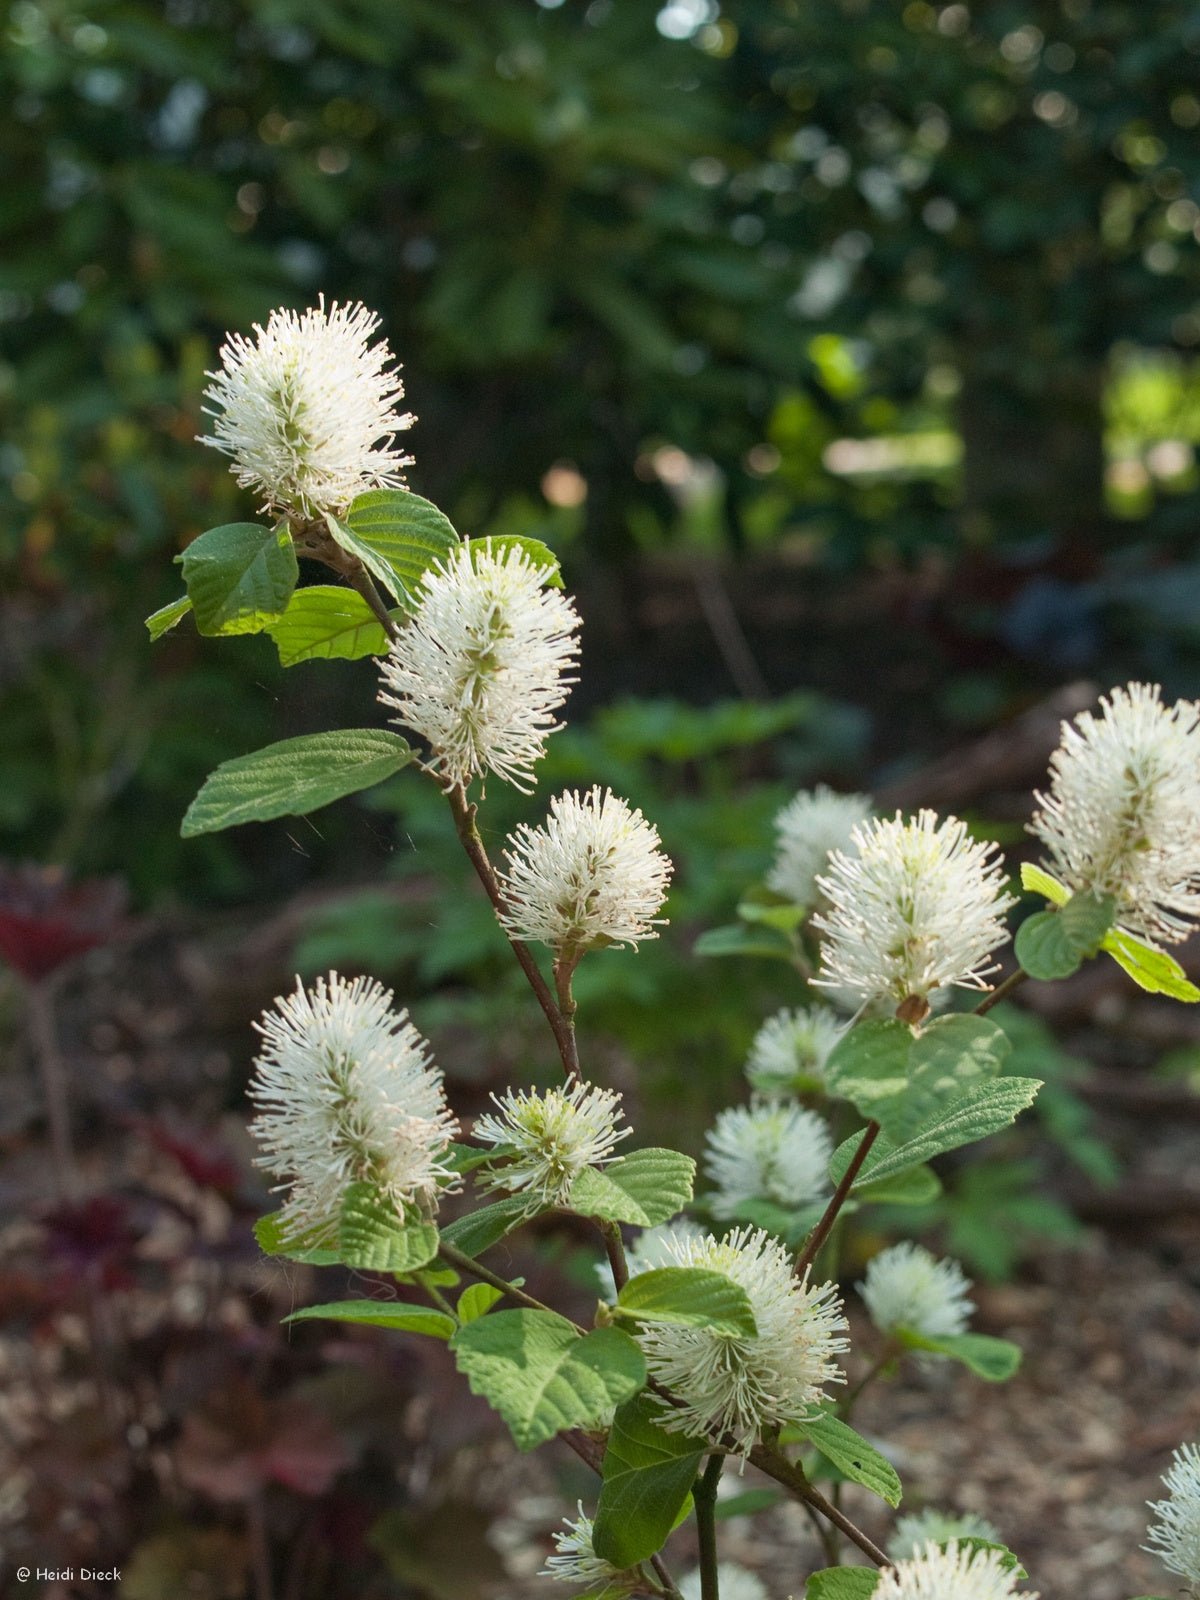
pixel 850 279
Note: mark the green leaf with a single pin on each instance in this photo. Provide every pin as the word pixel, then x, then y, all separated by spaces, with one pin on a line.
pixel 648 1474
pixel 294 777
pixel 1038 881
pixel 542 1375
pixel 900 1078
pixel 397 536
pixel 479 1230
pixel 740 940
pixel 373 1237
pixel 841 1583
pixel 163 620
pixel 1151 969
pixel 477 1301
pixel 981 1111
pixel 239 576
pixel 853 1456
pixel 916 1186
pixel 645 1187
pixel 694 1297
pixel 993 1359
pixel 1053 944
pixel 1008 1561
pixel 539 554
pixel 327 623
pixel 274 1240
pixel 381 1314
pixel 761 904
pixel 746 1504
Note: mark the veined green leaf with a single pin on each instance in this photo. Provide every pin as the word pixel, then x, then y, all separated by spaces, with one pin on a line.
pixel 542 1375
pixel 397 536
pixel 273 1240
pixel 538 553
pixel 294 777
pixel 1151 969
pixel 1040 882
pixel 853 1456
pixel 841 1583
pixel 691 1296
pixel 373 1237
pixel 993 1359
pixel 645 1187
pixel 239 576
pixel 327 623
pixel 648 1474
pixel 381 1314
pixel 476 1301
pixel 479 1230
pixel 162 621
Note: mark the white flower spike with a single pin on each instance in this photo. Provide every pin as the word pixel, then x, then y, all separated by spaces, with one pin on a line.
pixel 912 1533
pixel 346 1092
pixel 575 1560
pixel 907 1287
pixel 767 1152
pixel 950 1574
pixel 553 1136
pixel 732 1386
pixel 790 1050
pixel 1175 1537
pixel 915 908
pixel 307 409
pixel 483 664
pixel 733 1581
pixel 811 825
pixel 592 874
pixel 1122 817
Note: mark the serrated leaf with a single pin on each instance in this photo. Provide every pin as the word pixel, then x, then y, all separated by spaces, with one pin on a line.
pixel 900 1079
pixel 542 1375
pixel 239 577
pixel 476 1302
pixel 294 777
pixel 693 1297
pixel 974 1115
pixel 373 1237
pixel 645 1187
pixel 163 620
pixel 327 623
pixel 1038 881
pixel 274 1240
pixel 479 1230
pixel 648 1474
pixel 853 1456
pixel 738 939
pixel 993 1359
pixel 397 536
pixel 540 554
pixel 1151 969
pixel 381 1314
pixel 841 1583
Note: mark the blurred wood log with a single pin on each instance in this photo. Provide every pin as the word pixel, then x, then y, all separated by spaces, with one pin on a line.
pixel 1014 756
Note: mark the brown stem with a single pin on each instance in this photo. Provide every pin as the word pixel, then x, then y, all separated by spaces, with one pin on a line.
pixel 704 1498
pixel 837 1200
pixel 1001 992
pixel 668 1583
pixel 365 585
pixel 615 1246
pixel 564 969
pixel 563 1030
pixel 792 1477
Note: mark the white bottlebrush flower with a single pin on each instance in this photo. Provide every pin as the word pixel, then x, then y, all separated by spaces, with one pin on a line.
pixel 592 874
pixel 652 1248
pixel 915 907
pixel 1123 814
pixel 307 409
pixel 730 1385
pixel 1175 1537
pixel 346 1092
pixel 769 1151
pixel 950 1574
pixel 811 825
pixel 912 1533
pixel 575 1561
pixel 734 1583
pixel 790 1050
pixel 552 1136
pixel 908 1287
pixel 482 665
